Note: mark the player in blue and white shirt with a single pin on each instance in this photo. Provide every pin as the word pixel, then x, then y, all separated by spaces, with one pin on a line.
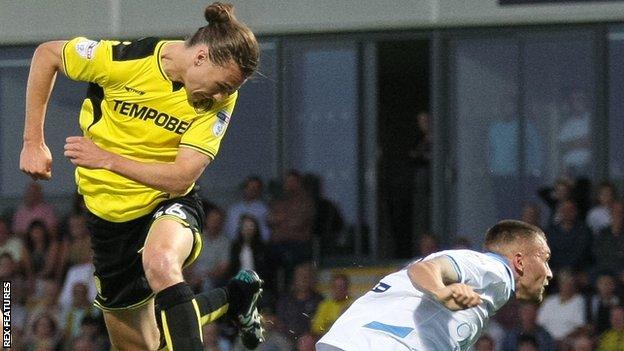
pixel 443 302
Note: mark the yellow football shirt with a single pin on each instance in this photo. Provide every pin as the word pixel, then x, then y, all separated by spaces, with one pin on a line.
pixel 133 109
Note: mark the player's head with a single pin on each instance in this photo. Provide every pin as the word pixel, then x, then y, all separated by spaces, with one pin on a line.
pixel 225 53
pixel 524 245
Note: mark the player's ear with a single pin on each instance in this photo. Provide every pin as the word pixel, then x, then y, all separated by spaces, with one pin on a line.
pixel 518 263
pixel 200 57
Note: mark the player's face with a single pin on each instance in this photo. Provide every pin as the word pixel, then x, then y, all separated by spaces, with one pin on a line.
pixel 206 83
pixel 536 273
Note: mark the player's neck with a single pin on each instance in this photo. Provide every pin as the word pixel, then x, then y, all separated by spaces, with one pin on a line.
pixel 172 59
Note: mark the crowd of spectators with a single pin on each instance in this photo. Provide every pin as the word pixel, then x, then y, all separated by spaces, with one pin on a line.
pixel 49 262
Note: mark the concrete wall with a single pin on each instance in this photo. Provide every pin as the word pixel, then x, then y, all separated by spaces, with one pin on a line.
pixel 28 21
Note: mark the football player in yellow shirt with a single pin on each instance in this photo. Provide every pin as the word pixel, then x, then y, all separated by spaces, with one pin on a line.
pixel 153 119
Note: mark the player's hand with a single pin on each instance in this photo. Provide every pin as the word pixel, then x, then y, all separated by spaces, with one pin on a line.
pixel 83 152
pixel 36 160
pixel 458 296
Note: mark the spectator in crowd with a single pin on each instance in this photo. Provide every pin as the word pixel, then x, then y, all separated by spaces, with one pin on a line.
pixel 613 338
pixel 43 334
pixel 81 306
pixel 291 219
pixel 601 302
pixel 328 222
pixel 213 341
pixel 76 245
pixel 296 308
pixel 531 214
pixel 553 196
pixel 485 343
pixel 331 308
pixel 528 326
pixel 82 272
pixel 253 205
pixel 562 313
pixel 274 339
pixel 212 266
pixel 528 343
pixel 84 343
pixel 462 242
pixel 248 250
pixel 583 343
pixel 608 244
pixel 34 208
pixel 306 342
pixel 599 217
pixel 44 250
pixel 569 240
pixel 93 329
pixel 45 299
pixel 14 246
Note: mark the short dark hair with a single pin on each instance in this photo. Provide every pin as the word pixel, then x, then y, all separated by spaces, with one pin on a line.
pixel 509 231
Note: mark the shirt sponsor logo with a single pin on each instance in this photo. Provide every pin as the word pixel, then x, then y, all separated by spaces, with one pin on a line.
pixel 86 48
pixel 144 113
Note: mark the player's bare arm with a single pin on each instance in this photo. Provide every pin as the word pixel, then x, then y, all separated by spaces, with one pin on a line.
pixel 173 178
pixel 439 278
pixel 35 158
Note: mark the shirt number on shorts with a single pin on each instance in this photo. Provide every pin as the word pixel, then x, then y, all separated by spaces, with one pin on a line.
pixel 173 210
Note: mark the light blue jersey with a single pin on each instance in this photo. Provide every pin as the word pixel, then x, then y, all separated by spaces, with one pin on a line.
pixel 395 316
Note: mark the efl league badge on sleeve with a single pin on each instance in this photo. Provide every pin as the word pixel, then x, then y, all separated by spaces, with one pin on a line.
pixel 86 48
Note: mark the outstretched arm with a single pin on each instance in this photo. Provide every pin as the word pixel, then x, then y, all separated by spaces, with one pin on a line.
pixel 35 158
pixel 174 178
pixel 438 278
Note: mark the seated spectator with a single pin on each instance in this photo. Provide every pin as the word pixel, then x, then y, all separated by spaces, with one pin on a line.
pixel 613 338
pixel 528 343
pixel 562 313
pixel 81 307
pixel 602 301
pixel 599 217
pixel 291 218
pixel 34 208
pixel 95 330
pixel 43 248
pixel 569 240
pixel 583 343
pixel 43 334
pixel 274 339
pixel 211 268
pixel 253 205
pixel 296 308
pixel 45 299
pixel 76 245
pixel 306 342
pixel 248 251
pixel 213 341
pixel 79 273
pixel 331 308
pixel 528 326
pixel 531 214
pixel 485 343
pixel 14 246
pixel 608 244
